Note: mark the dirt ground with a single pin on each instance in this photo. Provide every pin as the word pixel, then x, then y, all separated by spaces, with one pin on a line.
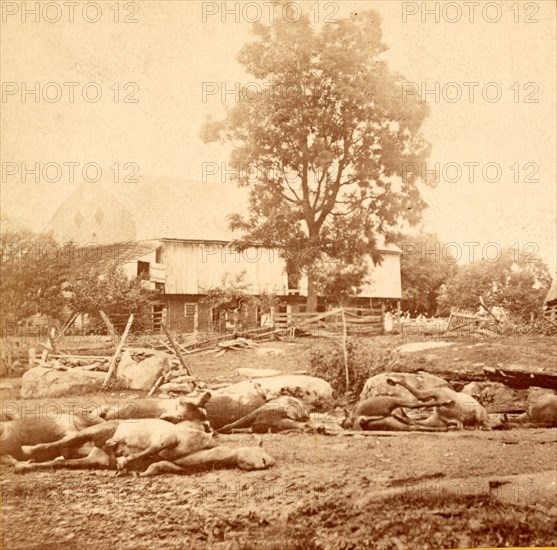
pixel 374 491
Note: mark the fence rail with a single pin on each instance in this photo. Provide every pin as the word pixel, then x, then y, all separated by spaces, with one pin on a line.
pixel 149 322
pixel 357 320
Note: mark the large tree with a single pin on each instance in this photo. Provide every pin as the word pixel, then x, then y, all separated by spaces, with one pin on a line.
pixel 325 146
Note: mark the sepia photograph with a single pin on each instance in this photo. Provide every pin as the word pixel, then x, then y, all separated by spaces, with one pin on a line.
pixel 278 275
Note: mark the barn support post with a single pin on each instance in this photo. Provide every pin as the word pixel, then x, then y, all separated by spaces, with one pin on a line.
pixel 288 314
pixel 272 313
pixel 164 317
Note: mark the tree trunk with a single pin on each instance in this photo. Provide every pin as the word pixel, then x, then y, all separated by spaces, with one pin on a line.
pixel 311 303
pixel 313 249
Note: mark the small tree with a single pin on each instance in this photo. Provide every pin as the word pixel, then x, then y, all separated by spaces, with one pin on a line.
pixel 340 281
pixel 232 294
pixel 422 274
pixel 32 271
pixel 516 283
pixel 109 290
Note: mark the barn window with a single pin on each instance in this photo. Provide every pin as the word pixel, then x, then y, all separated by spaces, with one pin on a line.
pixel 190 310
pixel 143 269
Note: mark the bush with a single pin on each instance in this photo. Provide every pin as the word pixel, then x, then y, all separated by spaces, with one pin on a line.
pixel 365 359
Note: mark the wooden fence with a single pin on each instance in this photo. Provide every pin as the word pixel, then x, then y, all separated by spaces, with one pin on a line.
pixel 143 322
pixel 359 321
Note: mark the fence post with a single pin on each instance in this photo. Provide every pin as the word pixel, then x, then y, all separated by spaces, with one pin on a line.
pixel 382 318
pixel 345 350
pixel 112 365
pixel 109 325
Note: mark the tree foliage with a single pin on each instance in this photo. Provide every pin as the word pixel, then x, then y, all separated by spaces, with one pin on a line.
pixel 32 272
pixel 323 150
pixel 233 296
pixel 423 269
pixel 110 290
pixel 339 281
pixel 37 276
pixel 516 282
pixel 230 295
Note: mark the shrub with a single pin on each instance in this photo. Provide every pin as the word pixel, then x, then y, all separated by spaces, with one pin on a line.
pixel 365 359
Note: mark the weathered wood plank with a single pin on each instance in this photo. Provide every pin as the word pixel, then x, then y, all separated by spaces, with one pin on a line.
pixel 112 365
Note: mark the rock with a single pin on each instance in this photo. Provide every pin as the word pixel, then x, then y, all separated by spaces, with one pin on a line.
pixel 17 365
pixel 125 362
pixel 496 393
pixel 183 378
pixel 311 390
pixel 176 387
pixel 473 388
pixel 536 393
pixel 142 376
pixel 45 382
pixel 411 347
pixel 258 373
pixel 5 386
pixel 377 385
pixel 269 351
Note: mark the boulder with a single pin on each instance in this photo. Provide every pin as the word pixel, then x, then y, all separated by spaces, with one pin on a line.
pixel 41 382
pixel 534 393
pixel 177 387
pixel 273 352
pixel 377 385
pixel 142 376
pixel 473 388
pixel 125 362
pixel 494 393
pixel 311 390
pixel 258 373
pixel 412 347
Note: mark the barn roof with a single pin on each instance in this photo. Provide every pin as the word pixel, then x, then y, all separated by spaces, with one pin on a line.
pixel 152 209
pixel 552 294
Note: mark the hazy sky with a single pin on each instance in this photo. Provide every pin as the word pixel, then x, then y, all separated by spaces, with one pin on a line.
pixel 170 52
